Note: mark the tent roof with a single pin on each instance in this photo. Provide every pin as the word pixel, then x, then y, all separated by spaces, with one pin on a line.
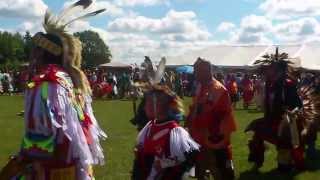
pixel 309 57
pixel 306 56
pixel 221 55
pixel 115 65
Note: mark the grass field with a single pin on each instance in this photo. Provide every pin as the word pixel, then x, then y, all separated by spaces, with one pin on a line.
pixel 114 118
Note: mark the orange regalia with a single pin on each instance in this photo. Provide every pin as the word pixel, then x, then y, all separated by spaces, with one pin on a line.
pixel 211 112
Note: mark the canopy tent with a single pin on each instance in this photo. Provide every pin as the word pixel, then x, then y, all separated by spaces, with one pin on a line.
pixel 309 57
pixel 306 56
pixel 185 69
pixel 115 65
pixel 221 55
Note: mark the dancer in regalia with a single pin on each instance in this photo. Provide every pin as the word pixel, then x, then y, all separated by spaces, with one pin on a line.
pixel 61 137
pixel 164 150
pixel 288 117
pixel 248 91
pixel 211 123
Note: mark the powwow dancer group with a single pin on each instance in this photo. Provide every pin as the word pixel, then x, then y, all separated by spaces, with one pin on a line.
pixel 61 139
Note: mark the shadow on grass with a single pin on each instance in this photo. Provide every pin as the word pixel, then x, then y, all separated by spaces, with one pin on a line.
pixel 271 175
pixel 312 164
pixel 254 111
pixel 250 110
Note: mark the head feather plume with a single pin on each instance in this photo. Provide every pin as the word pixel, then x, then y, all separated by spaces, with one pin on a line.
pixel 151 74
pixel 160 71
pixel 58 23
pixel 281 61
pixel 276 58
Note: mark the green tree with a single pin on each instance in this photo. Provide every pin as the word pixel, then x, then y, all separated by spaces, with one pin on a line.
pixel 11 48
pixel 27 44
pixel 94 50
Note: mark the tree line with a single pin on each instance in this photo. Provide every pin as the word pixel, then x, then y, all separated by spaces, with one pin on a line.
pixel 15 49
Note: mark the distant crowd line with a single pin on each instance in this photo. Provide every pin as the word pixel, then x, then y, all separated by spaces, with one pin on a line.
pixel 241 86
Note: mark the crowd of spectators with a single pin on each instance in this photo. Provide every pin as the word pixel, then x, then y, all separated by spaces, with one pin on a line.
pixel 244 87
pixel 12 81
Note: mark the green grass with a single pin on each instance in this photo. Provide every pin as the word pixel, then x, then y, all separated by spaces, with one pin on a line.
pixel 114 118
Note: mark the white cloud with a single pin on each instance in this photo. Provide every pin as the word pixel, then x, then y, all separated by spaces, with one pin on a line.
pixel 175 26
pixel 186 37
pixel 253 30
pixel 79 26
pixel 31 26
pixel 131 38
pixel 256 24
pixel 133 47
pixel 145 3
pixel 225 27
pixel 22 8
pixel 244 37
pixel 286 9
pixel 111 8
pixel 297 30
pixel 140 2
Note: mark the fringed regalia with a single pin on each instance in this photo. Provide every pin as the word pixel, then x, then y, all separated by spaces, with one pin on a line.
pixel 166 143
pixel 288 117
pixel 164 150
pixel 62 135
pixel 61 138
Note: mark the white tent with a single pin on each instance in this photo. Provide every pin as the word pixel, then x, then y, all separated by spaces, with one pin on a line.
pixel 221 55
pixel 115 65
pixel 306 56
pixel 309 57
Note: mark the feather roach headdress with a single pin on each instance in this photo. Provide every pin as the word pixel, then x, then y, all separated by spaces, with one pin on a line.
pixel 280 60
pixel 71 48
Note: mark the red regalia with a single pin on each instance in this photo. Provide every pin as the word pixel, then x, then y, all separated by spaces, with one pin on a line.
pixel 164 150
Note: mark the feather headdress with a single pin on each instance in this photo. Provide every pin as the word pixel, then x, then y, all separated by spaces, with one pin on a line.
pixel 152 76
pixel 151 84
pixel 310 111
pixel 71 46
pixel 309 114
pixel 275 59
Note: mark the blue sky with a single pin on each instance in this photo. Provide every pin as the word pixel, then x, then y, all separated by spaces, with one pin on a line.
pixel 134 28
